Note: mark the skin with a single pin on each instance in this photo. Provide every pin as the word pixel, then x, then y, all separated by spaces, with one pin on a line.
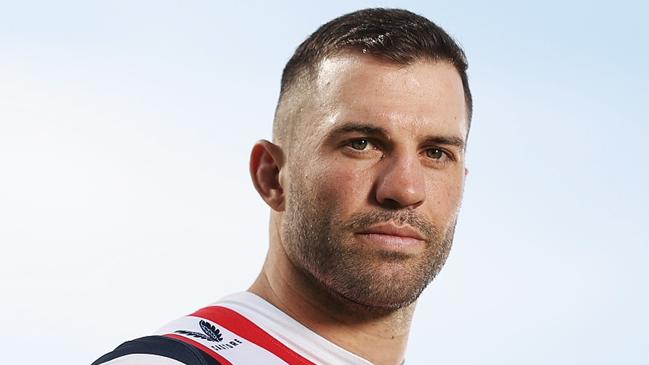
pixel 379 145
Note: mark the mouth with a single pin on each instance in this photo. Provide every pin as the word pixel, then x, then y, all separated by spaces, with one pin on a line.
pixel 389 235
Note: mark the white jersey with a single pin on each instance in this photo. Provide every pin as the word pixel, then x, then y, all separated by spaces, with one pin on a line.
pixel 239 329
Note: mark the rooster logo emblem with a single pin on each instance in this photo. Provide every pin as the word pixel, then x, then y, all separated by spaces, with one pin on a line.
pixel 210 332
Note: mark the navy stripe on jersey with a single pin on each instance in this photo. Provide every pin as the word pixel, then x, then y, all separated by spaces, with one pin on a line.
pixel 163 346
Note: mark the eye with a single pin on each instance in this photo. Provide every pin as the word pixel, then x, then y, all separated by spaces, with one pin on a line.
pixel 435 153
pixel 359 144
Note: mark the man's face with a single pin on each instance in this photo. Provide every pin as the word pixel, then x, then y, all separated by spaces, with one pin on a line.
pixel 375 178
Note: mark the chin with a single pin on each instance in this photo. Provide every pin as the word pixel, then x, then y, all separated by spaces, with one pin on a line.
pixel 382 287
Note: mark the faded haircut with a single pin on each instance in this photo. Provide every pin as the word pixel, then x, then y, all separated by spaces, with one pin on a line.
pixel 394 35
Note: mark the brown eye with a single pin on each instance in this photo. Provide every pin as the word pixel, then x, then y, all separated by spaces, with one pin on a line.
pixel 359 144
pixel 435 153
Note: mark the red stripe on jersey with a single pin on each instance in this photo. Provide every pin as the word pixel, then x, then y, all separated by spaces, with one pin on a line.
pixel 221 360
pixel 242 326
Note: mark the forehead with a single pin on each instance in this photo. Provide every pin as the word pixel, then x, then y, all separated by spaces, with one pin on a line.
pixel 424 96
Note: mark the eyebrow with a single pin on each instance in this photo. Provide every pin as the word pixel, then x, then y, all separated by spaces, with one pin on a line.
pixel 358 127
pixel 446 141
pixel 372 130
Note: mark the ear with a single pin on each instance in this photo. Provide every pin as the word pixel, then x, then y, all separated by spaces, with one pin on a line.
pixel 266 160
pixel 466 172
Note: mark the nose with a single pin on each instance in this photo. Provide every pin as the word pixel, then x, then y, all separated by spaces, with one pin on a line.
pixel 401 183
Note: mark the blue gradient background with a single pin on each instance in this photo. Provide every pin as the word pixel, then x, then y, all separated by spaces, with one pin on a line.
pixel 125 202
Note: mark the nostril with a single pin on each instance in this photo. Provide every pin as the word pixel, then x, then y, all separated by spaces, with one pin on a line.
pixel 391 204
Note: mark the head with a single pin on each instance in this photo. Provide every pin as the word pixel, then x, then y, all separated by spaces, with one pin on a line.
pixel 366 170
pixel 394 36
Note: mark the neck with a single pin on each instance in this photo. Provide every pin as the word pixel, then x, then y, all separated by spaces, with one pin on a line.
pixel 356 328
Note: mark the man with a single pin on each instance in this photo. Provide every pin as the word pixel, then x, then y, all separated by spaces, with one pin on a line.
pixel 364 179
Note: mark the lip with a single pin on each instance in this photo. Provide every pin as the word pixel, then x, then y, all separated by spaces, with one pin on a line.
pixel 390 229
pixel 390 237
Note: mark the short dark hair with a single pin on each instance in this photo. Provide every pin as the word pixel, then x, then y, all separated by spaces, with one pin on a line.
pixel 394 35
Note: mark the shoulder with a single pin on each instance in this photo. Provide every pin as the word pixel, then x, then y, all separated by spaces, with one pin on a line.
pixel 155 350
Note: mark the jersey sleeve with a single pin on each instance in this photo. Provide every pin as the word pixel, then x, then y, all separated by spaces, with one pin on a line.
pixel 156 350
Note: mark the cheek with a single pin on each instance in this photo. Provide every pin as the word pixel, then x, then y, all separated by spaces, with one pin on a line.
pixel 445 196
pixel 341 185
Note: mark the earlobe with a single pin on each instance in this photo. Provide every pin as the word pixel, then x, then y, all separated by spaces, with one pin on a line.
pixel 266 160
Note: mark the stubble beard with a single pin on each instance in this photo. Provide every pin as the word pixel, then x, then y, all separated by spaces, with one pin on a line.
pixel 323 247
